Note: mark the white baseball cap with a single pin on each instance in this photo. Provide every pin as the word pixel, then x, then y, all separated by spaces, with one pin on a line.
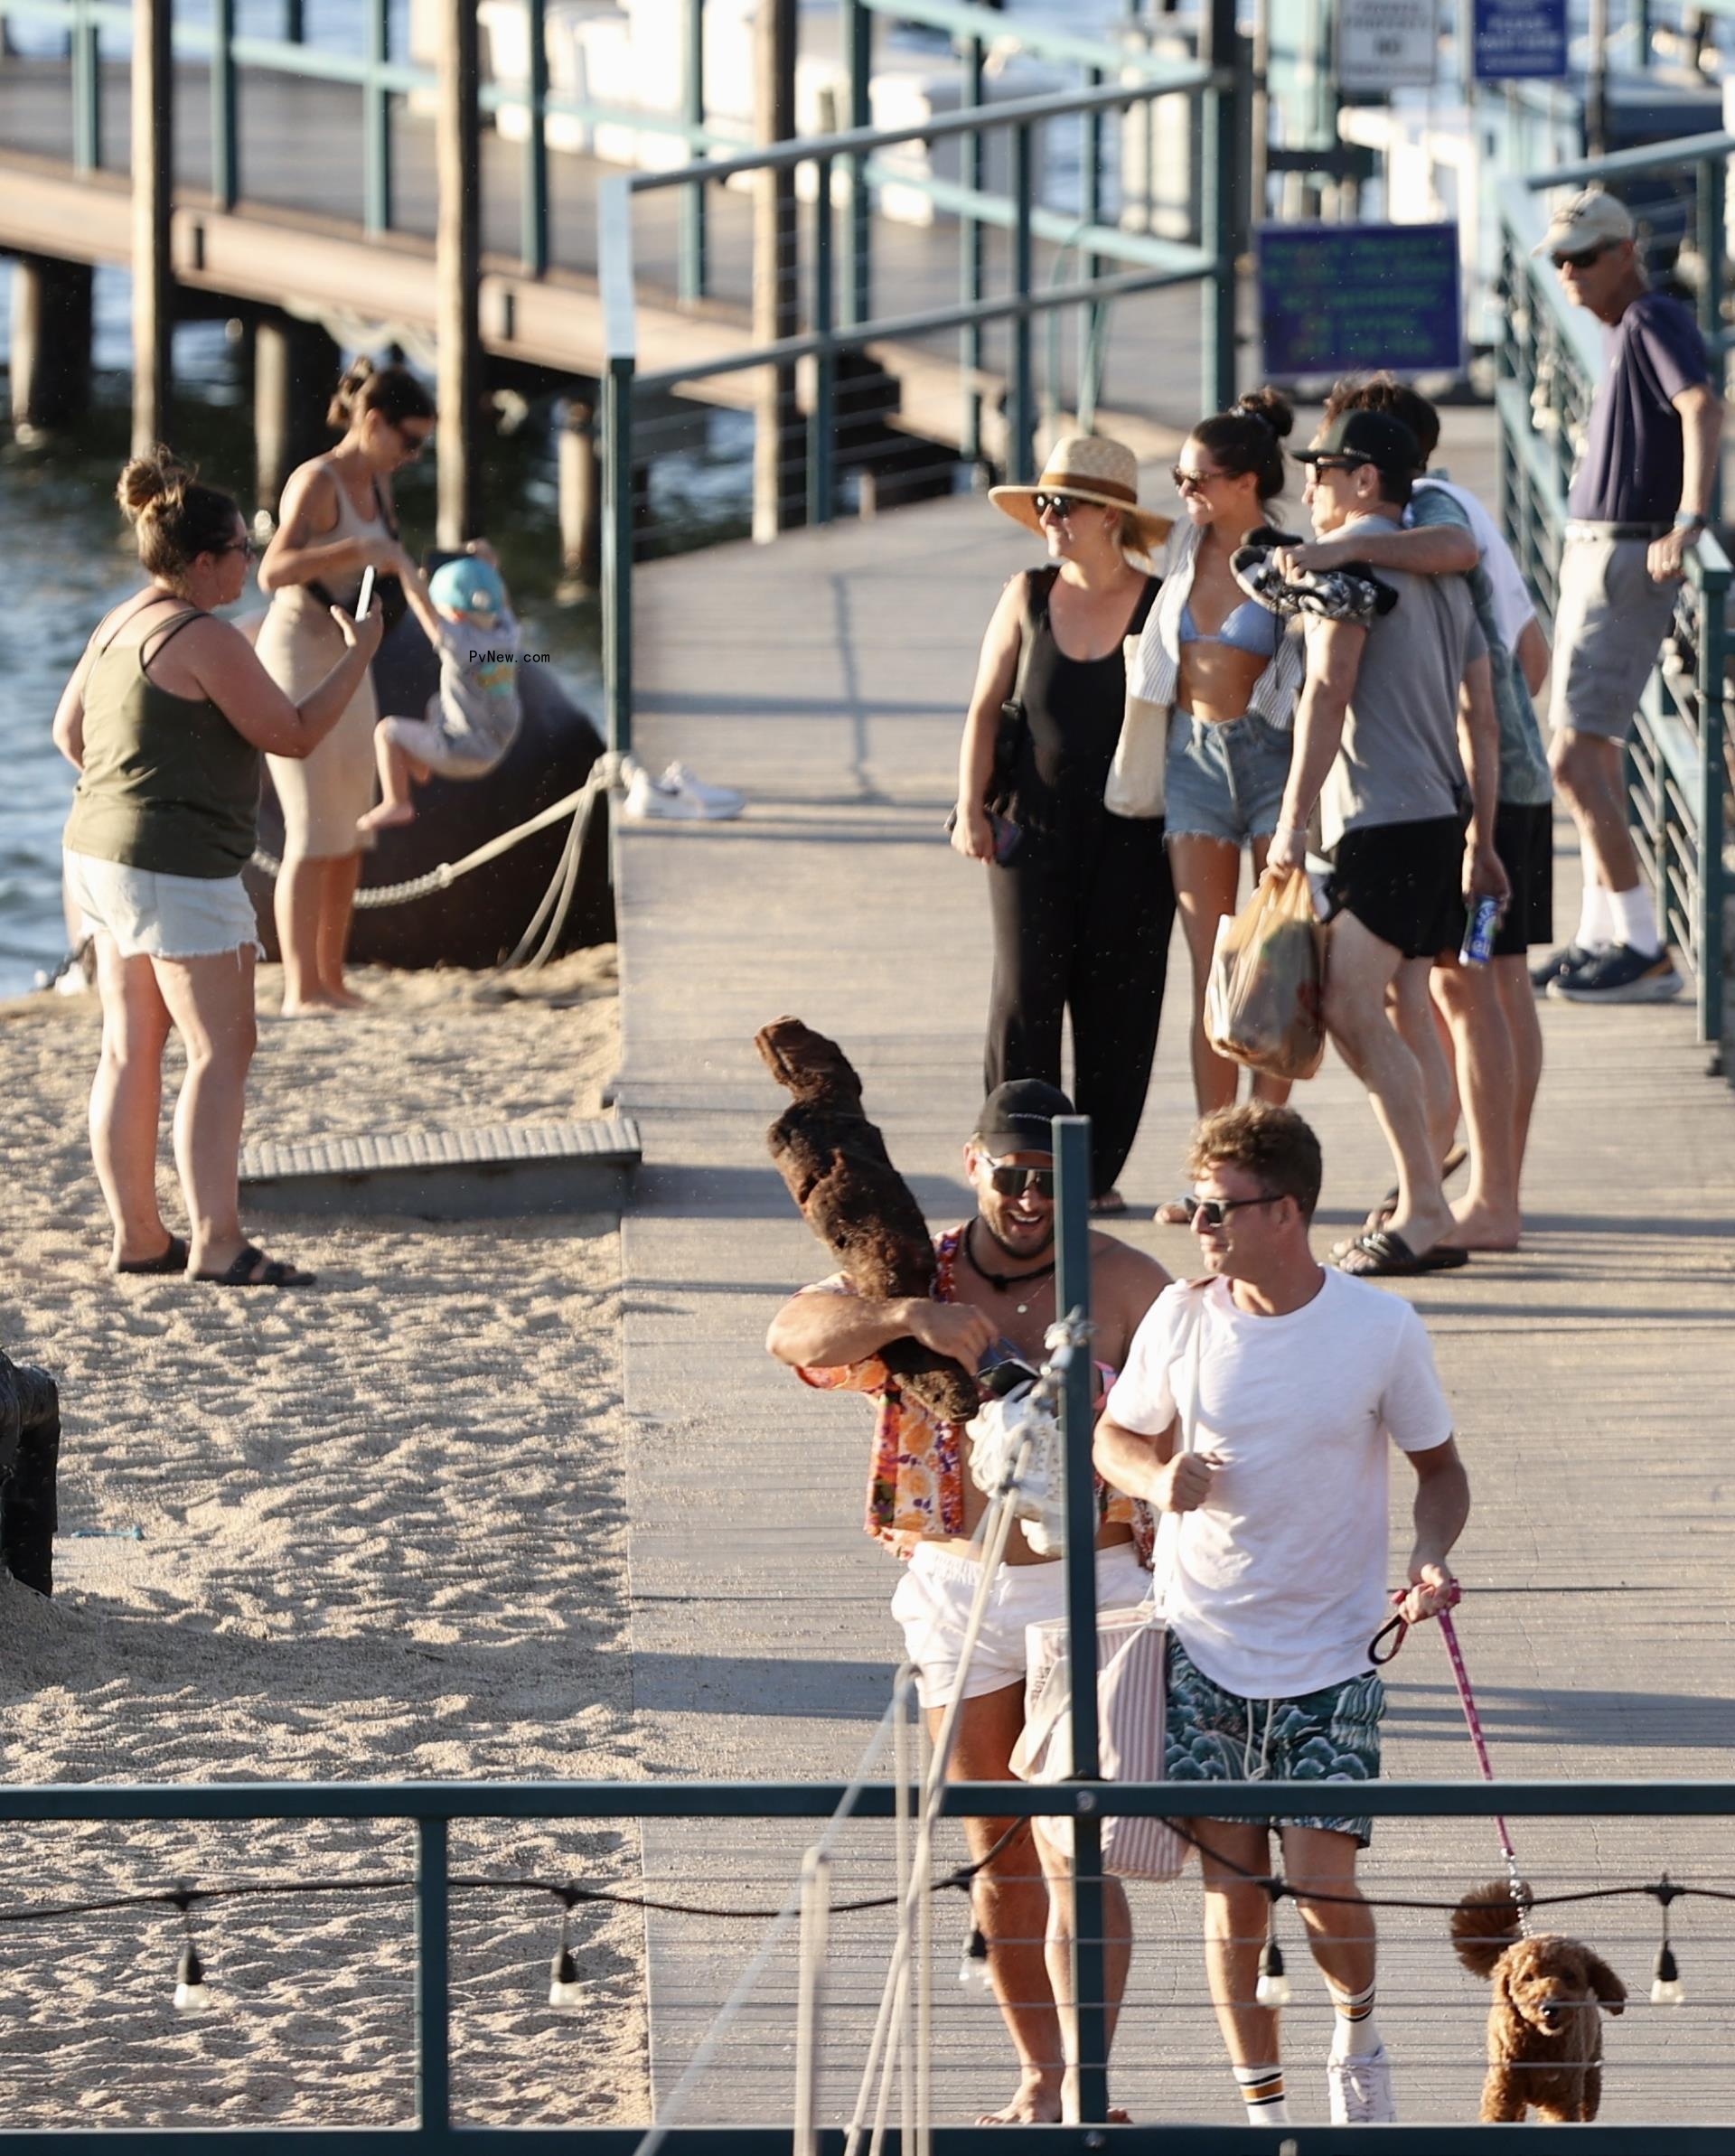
pixel 1592 218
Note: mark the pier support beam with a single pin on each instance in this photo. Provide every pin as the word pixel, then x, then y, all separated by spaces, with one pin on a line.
pixel 51 342
pixel 581 503
pixel 153 199
pixel 457 269
pixel 779 442
pixel 295 365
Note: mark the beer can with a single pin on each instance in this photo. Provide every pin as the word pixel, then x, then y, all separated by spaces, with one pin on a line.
pixel 1477 947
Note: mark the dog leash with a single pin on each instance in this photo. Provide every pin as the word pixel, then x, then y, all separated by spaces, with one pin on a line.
pixel 1400 1625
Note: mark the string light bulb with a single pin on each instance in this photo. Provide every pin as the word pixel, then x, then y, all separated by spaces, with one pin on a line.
pixel 566 1993
pixel 972 1970
pixel 192 1993
pixel 1272 1989
pixel 1666 1987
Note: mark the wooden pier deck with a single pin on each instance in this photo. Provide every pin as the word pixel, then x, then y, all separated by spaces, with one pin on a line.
pixel 1590 1372
pixel 296 240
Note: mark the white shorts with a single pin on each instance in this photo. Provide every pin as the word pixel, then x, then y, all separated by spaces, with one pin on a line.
pixel 934 1601
pixel 151 915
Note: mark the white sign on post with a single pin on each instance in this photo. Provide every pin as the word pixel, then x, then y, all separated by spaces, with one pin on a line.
pixel 1386 45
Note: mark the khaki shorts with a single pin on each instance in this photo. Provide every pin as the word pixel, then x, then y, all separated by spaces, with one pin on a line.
pixel 1609 627
pixel 932 1604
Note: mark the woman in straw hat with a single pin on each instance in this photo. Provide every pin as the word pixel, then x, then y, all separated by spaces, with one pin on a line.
pixel 1228 673
pixel 1081 900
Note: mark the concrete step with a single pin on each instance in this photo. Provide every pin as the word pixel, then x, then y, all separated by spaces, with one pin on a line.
pixel 492 1172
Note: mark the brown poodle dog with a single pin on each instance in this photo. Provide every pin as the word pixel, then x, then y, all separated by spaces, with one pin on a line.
pixel 1545 2024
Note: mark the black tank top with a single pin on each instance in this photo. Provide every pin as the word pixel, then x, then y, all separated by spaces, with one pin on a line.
pixel 1073 707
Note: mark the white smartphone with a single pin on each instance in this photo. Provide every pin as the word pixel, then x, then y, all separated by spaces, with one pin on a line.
pixel 365 598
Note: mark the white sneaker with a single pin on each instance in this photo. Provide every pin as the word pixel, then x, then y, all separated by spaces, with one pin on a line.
pixel 1360 2090
pixel 720 801
pixel 650 800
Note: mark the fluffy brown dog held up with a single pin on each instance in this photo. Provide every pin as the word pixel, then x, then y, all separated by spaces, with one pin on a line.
pixel 1545 2018
pixel 839 1172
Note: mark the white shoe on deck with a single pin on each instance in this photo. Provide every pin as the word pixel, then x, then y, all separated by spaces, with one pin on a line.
pixel 1361 2090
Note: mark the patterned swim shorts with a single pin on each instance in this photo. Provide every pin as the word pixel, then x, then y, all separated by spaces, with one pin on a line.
pixel 1332 1735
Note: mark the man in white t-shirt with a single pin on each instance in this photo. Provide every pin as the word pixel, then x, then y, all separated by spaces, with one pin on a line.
pixel 1292 1383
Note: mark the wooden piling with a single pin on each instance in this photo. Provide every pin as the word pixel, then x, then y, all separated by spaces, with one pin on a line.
pixel 581 503
pixel 779 443
pixel 51 342
pixel 295 364
pixel 457 270
pixel 152 158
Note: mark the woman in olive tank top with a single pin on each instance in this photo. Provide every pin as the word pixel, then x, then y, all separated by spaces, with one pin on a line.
pixel 165 719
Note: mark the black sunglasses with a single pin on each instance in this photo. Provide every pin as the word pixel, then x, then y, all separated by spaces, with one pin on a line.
pixel 1585 258
pixel 1336 463
pixel 1012 1182
pixel 1211 1213
pixel 245 547
pixel 1062 505
pixel 1186 479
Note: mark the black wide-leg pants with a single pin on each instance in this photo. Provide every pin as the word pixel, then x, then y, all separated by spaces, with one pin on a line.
pixel 1081 923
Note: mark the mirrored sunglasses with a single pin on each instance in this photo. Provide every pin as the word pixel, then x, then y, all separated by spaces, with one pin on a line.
pixel 1062 505
pixel 1013 1182
pixel 1212 1212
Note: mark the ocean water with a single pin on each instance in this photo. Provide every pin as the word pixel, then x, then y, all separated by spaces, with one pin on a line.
pixel 63 561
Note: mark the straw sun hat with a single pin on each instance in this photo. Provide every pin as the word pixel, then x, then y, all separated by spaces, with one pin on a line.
pixel 1090 468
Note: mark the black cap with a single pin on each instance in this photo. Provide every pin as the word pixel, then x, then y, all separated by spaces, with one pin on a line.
pixel 1015 1116
pixel 1385 442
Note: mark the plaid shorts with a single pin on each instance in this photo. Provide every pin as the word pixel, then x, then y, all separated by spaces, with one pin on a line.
pixel 1332 1735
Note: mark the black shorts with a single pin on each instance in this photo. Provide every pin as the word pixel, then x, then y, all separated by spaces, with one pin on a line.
pixel 1524 838
pixel 1403 882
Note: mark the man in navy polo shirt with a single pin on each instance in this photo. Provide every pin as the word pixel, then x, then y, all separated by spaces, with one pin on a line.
pixel 1639 499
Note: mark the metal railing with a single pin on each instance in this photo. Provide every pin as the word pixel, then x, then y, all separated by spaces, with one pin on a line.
pixel 840 321
pixel 1550 361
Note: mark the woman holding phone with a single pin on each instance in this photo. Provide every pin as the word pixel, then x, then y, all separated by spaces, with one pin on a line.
pixel 337 525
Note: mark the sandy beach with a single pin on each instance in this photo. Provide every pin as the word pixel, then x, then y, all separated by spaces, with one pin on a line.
pixel 380 1535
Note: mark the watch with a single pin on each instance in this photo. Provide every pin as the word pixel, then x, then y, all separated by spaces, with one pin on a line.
pixel 1684 522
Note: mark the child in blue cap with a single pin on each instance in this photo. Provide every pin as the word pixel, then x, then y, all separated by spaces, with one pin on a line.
pixel 472 718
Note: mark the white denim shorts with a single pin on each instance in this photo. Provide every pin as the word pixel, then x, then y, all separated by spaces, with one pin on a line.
pixel 150 915
pixel 934 1600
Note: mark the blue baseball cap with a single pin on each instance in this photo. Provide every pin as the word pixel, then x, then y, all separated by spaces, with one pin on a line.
pixel 467 585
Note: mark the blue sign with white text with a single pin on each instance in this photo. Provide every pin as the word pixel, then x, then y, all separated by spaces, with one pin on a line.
pixel 1334 299
pixel 1520 40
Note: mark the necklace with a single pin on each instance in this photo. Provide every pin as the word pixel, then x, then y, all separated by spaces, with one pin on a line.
pixel 1004 1283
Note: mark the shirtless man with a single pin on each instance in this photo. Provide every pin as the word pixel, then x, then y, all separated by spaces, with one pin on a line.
pixel 996 1281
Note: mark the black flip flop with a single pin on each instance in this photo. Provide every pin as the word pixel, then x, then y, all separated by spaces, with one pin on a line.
pixel 172 1259
pixel 251 1267
pixel 1392 1258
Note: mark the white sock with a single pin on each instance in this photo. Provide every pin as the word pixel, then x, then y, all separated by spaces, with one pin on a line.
pixel 1262 2089
pixel 1595 921
pixel 1354 2033
pixel 1635 920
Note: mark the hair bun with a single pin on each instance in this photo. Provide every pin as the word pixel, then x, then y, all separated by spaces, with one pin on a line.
pixel 1270 408
pixel 151 482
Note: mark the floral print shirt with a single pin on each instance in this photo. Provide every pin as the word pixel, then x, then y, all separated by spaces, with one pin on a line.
pixel 915 1482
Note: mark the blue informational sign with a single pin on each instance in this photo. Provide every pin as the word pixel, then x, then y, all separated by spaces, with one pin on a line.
pixel 1334 299
pixel 1520 41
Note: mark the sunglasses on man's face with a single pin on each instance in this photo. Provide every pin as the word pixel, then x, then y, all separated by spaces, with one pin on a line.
pixel 1586 257
pixel 1013 1182
pixel 1316 464
pixel 1062 505
pixel 1213 1213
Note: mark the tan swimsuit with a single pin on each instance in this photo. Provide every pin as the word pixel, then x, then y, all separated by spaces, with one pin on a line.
pixel 323 794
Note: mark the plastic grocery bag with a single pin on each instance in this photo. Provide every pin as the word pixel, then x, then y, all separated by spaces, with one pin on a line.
pixel 1264 1003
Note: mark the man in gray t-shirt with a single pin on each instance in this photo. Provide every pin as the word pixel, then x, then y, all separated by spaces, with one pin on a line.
pixel 1376 747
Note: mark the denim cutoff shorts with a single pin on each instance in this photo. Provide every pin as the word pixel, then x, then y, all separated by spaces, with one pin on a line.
pixel 1224 781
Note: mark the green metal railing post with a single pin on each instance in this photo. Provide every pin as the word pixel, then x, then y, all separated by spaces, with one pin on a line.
pixel 1091 318
pixel 617 551
pixel 1072 1149
pixel 1217 204
pixel 533 208
pixel 1710 197
pixel 225 141
pixel 693 268
pixel 294 21
pixel 86 56
pixel 858 51
pixel 822 420
pixel 972 237
pixel 376 123
pixel 433 1978
pixel 1713 687
pixel 1021 417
